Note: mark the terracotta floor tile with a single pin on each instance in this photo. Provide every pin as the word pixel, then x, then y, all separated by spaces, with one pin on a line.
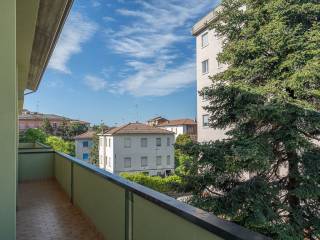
pixel 45 213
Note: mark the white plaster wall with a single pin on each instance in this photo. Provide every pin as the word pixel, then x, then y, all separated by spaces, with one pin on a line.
pixel 109 153
pixel 179 129
pixel 203 53
pixel 102 152
pixel 136 152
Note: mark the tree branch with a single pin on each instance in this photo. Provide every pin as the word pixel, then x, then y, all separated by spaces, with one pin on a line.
pixel 308 135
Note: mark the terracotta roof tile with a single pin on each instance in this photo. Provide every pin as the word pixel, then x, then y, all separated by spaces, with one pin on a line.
pixel 137 128
pixel 86 135
pixel 177 122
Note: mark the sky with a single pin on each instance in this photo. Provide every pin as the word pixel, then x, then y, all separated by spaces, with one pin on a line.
pixel 120 61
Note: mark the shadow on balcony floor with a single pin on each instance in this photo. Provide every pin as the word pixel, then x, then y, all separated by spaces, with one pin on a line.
pixel 45 212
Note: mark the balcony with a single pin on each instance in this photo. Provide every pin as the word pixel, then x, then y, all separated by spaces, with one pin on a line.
pixel 61 197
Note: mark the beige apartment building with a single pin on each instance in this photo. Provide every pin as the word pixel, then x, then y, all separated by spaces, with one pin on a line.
pixel 208 45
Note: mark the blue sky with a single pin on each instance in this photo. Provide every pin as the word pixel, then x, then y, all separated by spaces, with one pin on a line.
pixel 119 61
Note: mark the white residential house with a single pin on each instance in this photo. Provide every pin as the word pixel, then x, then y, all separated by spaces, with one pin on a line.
pixel 137 147
pixel 181 126
pixel 83 145
pixel 208 45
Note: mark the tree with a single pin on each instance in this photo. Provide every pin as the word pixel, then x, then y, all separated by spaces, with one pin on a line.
pixel 182 160
pixel 77 129
pixel 46 127
pixel 60 145
pixel 94 153
pixel 269 100
pixel 63 130
pixel 33 135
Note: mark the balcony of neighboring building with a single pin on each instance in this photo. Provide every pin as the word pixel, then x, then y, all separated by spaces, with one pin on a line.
pixel 60 197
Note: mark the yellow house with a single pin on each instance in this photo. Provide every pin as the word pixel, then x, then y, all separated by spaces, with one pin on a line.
pixel 49 195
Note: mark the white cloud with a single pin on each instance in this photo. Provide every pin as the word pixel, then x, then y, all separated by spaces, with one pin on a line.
pixel 95 3
pixel 78 30
pixel 95 83
pixel 156 79
pixel 108 19
pixel 150 43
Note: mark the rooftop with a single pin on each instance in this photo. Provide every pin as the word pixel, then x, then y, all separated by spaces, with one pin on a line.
pixel 156 118
pixel 204 22
pixel 29 115
pixel 86 135
pixel 177 122
pixel 137 128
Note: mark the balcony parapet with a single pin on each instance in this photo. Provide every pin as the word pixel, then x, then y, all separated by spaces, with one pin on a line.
pixel 111 201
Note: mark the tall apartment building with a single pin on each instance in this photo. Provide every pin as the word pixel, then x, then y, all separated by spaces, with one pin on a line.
pixel 137 147
pixel 208 45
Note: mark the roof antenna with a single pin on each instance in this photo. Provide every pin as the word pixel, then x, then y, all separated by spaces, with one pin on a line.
pixel 137 119
pixel 37 106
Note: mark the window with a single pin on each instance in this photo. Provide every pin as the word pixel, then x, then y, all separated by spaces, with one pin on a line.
pixel 158 142
pixel 168 160
pixel 85 144
pixel 205 66
pixel 54 125
pixel 144 142
pixel 127 142
pixel 127 162
pixel 144 161
pixel 109 162
pixel 158 161
pixel 168 142
pixel 105 161
pixel 205 120
pixel 204 40
pixel 85 156
pixel 109 142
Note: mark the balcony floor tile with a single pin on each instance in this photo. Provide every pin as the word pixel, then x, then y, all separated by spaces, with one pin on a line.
pixel 45 212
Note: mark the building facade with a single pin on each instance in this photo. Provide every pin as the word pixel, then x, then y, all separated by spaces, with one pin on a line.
pixel 181 126
pixel 83 143
pixel 208 46
pixel 29 119
pixel 137 147
pixel 156 121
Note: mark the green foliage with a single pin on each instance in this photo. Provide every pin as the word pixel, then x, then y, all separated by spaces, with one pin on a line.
pixel 46 127
pixel 183 139
pixel 63 130
pixel 69 130
pixel 77 129
pixel 60 145
pixel 100 128
pixel 269 100
pixel 33 135
pixel 94 153
pixel 166 184
pixel 182 160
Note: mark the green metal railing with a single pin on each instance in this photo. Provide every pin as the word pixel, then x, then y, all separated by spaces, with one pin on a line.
pixel 122 210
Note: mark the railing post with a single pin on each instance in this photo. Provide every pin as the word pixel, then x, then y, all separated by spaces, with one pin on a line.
pixel 128 215
pixel 71 184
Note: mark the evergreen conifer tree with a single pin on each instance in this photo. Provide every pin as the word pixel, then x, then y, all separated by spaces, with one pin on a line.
pixel 269 100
